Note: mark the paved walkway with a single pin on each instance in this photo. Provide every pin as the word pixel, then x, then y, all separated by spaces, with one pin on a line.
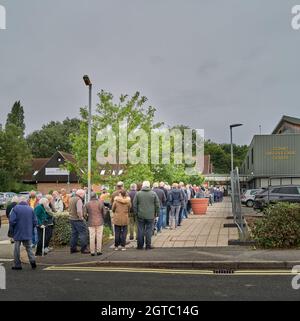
pixel 201 230
pixel 198 230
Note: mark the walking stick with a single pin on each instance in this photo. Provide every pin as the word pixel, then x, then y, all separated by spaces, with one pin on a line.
pixel 43 248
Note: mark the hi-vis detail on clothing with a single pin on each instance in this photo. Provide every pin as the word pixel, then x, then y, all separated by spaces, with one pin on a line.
pixel 2 278
pixel 2 18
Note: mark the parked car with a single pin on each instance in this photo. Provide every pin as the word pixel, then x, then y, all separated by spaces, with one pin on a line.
pixel 5 198
pixel 24 194
pixel 248 196
pixel 280 193
pixel 2 200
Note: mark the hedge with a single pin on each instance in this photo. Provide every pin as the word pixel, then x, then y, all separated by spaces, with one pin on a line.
pixel 62 230
pixel 279 227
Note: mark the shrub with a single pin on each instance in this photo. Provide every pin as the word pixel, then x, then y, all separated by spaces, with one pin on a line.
pixel 279 227
pixel 62 230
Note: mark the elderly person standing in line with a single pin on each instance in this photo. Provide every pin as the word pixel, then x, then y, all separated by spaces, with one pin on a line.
pixel 146 207
pixel 94 211
pixel 79 229
pixel 161 222
pixel 22 220
pixel 132 217
pixel 121 208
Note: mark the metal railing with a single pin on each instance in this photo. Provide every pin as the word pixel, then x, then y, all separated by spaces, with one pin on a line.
pixel 236 203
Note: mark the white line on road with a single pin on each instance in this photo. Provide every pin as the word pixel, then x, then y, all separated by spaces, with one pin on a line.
pixel 168 271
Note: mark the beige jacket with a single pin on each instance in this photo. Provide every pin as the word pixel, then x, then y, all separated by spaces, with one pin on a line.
pixel 121 208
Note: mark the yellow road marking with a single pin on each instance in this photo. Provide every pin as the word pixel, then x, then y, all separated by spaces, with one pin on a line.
pixel 167 271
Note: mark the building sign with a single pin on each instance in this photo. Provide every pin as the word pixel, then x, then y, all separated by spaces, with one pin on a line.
pixel 282 153
pixel 55 171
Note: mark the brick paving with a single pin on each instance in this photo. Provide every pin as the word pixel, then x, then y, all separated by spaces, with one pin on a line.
pixel 200 230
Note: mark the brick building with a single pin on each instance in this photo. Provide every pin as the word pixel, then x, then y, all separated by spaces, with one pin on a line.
pixel 46 174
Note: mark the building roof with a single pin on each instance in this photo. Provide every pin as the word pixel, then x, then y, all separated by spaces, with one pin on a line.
pixel 286 119
pixel 68 157
pixel 36 164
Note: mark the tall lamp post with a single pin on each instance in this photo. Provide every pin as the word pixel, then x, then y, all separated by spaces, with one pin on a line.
pixel 231 143
pixel 88 83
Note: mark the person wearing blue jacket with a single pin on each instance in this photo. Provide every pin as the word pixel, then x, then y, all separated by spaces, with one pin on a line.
pixel 176 201
pixel 22 221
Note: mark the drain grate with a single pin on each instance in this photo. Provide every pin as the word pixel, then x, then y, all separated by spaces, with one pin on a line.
pixel 223 271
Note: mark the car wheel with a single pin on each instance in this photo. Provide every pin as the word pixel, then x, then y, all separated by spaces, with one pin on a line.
pixel 249 203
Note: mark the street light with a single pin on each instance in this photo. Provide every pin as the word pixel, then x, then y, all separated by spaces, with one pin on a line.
pixel 231 144
pixel 88 83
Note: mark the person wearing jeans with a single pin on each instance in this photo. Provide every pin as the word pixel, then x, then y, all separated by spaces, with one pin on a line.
pixel 176 201
pixel 22 221
pixel 79 229
pixel 146 206
pixel 121 208
pixel 174 216
pixel 161 222
pixel 132 217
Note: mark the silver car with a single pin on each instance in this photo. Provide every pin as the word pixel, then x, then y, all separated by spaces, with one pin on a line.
pixel 248 196
pixel 5 198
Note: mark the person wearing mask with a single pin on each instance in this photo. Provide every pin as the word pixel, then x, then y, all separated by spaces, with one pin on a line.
pixel 146 207
pixel 176 202
pixel 132 217
pixel 22 220
pixel 94 212
pixel 121 208
pixel 161 222
pixel 79 229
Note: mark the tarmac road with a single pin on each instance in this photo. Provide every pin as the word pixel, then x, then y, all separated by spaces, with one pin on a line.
pixel 132 284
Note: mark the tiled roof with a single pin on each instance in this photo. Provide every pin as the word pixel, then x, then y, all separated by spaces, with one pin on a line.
pixel 36 164
pixel 288 119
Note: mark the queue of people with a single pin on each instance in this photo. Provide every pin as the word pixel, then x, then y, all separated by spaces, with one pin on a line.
pixel 141 212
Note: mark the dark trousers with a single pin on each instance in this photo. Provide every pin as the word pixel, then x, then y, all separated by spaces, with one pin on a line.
pixel 168 214
pixel 189 206
pixel 79 230
pixel 49 233
pixel 145 228
pixel 120 235
pixel 39 247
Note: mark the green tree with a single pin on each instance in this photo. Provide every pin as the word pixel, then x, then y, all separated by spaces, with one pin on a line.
pixel 52 137
pixel 16 117
pixel 14 155
pixel 111 113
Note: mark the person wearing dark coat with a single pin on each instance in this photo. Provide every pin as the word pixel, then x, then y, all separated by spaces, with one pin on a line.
pixel 22 220
pixel 14 202
pixel 132 217
pixel 162 218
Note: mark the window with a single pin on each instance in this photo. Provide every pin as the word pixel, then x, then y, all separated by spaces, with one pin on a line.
pixel 248 165
pixel 276 190
pixel 252 156
pixel 289 190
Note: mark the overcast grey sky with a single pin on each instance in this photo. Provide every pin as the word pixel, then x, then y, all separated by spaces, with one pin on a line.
pixel 203 63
